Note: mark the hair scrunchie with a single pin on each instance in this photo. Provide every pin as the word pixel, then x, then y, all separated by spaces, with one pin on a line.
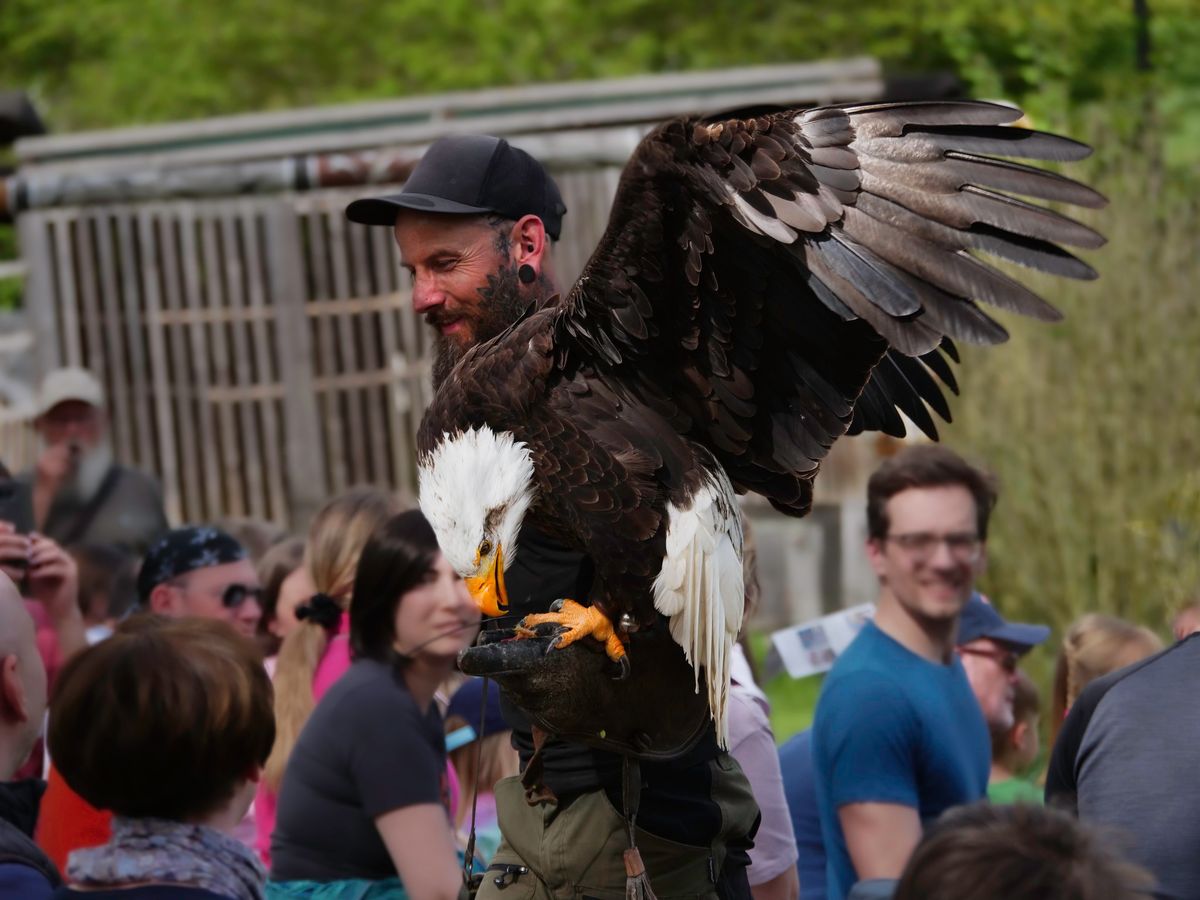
pixel 322 610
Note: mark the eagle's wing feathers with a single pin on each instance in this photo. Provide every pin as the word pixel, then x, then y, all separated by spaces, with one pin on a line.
pixel 767 284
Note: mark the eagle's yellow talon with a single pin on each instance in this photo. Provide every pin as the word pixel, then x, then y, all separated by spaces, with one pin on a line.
pixel 580 622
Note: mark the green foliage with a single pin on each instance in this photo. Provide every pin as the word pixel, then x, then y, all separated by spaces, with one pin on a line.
pixel 100 63
pixel 793 700
pixel 793 703
pixel 10 288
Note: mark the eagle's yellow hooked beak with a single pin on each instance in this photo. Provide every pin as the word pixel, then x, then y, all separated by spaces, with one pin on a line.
pixel 488 588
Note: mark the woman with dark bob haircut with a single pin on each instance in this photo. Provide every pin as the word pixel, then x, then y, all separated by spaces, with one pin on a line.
pixel 167 723
pixel 363 808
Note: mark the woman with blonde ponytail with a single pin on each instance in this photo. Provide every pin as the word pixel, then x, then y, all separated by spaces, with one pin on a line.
pixel 316 653
pixel 1095 645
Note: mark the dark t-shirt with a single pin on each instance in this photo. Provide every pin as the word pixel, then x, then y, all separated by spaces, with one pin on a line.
pixel 675 801
pixel 129 515
pixel 366 750
pixel 25 871
pixel 1126 759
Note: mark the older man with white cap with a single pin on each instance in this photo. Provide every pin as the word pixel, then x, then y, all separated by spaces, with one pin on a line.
pixel 76 492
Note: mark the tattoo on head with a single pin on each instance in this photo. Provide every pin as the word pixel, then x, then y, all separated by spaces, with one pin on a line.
pixel 503 231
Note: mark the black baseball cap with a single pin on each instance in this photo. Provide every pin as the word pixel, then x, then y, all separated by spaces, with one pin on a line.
pixel 979 619
pixel 469 174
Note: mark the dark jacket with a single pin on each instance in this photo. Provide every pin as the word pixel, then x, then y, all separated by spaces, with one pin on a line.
pixel 25 871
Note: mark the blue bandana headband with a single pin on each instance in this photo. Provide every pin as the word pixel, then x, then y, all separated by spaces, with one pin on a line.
pixel 185 550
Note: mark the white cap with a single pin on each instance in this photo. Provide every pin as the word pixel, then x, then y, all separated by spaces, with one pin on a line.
pixel 62 385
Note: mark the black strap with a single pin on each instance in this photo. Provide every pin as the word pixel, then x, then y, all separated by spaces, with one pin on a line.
pixel 471 881
pixel 470 860
pixel 87 515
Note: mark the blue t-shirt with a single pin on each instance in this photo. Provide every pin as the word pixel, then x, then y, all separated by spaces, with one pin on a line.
pixel 800 789
pixel 893 727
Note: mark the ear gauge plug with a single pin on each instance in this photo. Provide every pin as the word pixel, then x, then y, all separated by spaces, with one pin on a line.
pixel 527 274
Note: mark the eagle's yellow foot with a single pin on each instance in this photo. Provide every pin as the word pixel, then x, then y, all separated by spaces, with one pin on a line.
pixel 579 622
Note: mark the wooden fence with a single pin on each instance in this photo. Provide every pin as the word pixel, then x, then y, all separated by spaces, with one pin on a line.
pixel 260 353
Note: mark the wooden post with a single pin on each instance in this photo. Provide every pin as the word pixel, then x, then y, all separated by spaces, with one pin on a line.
pixel 303 456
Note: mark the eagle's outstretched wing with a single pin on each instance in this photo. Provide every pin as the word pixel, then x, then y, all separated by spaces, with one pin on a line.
pixel 767 284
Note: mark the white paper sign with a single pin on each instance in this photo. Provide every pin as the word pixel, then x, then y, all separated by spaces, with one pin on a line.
pixel 811 648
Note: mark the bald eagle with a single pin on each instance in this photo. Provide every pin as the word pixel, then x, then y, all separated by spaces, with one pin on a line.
pixel 763 287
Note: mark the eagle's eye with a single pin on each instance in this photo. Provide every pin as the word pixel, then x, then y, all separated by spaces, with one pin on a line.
pixel 485 548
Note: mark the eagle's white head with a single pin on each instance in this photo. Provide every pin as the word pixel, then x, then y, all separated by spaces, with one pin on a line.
pixel 475 489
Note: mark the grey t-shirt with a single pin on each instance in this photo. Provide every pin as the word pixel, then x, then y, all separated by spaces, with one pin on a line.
pixel 366 750
pixel 1127 758
pixel 130 514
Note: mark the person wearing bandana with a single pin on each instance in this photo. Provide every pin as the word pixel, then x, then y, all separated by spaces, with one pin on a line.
pixel 201 571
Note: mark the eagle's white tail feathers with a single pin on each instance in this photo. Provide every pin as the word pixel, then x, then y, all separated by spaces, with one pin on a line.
pixel 700 587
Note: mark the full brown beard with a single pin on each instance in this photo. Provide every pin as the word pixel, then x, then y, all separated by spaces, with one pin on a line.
pixel 501 303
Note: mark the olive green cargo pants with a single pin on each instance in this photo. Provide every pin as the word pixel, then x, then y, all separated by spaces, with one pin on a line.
pixel 576 851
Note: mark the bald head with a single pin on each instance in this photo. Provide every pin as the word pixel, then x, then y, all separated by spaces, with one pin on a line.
pixel 22 681
pixel 16 627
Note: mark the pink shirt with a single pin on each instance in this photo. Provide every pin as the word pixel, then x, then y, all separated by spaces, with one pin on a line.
pixel 47 644
pixel 333 665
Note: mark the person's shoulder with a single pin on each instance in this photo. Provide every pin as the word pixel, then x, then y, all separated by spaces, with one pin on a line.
pixel 862 702
pixel 373 686
pixel 871 651
pixel 1143 674
pixel 864 667
pixel 797 750
pixel 745 711
pixel 18 879
pixel 133 479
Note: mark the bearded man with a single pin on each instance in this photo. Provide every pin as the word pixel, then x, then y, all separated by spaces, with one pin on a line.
pixel 475 225
pixel 76 493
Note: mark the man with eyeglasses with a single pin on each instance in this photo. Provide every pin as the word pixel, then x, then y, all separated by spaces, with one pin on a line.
pixel 899 736
pixel 201 571
pixel 990 649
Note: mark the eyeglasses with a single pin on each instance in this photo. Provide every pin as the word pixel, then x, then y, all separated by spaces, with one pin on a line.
pixel 964 546
pixel 232 597
pixel 1005 659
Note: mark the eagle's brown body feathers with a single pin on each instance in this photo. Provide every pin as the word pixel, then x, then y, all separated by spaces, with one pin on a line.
pixel 764 286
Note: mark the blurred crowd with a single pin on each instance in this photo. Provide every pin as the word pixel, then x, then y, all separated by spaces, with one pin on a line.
pixel 224 711
pixel 234 711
